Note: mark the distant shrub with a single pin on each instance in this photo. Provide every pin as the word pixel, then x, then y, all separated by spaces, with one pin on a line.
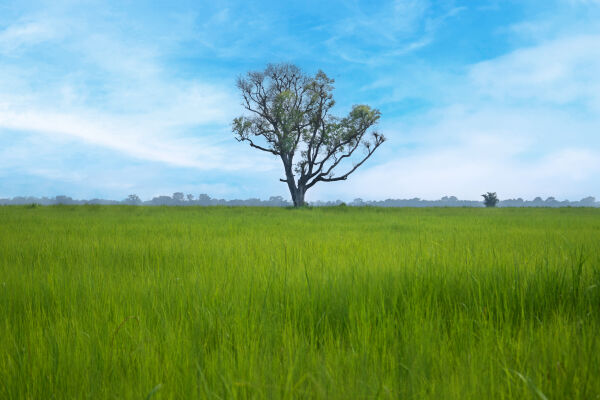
pixel 133 199
pixel 490 199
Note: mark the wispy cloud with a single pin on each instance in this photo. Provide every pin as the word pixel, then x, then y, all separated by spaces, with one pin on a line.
pixel 468 170
pixel 522 124
pixel 22 34
pixel 118 96
pixel 557 72
pixel 379 35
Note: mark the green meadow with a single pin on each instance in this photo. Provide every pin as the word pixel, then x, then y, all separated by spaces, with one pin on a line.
pixel 118 302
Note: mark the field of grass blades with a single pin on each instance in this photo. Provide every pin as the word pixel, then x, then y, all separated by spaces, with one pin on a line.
pixel 124 302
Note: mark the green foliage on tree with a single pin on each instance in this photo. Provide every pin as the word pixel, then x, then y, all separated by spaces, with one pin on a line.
pixel 490 199
pixel 289 117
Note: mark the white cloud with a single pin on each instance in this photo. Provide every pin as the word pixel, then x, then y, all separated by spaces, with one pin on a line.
pixel 149 137
pixel 468 169
pixel 406 17
pixel 377 36
pixel 115 93
pixel 398 28
pixel 24 34
pixel 583 2
pixel 557 72
pixel 523 124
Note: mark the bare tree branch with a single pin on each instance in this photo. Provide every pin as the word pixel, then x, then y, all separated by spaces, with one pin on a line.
pixel 322 177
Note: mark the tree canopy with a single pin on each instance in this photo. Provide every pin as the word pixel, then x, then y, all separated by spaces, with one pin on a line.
pixel 490 199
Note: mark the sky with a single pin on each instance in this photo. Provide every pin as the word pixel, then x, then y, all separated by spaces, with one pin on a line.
pixel 102 99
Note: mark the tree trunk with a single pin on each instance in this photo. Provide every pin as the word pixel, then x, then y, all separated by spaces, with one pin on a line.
pixel 297 192
pixel 298 197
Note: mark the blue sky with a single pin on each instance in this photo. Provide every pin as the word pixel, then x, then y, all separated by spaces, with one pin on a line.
pixel 108 98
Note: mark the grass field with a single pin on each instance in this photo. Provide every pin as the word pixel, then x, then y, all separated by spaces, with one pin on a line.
pixel 174 303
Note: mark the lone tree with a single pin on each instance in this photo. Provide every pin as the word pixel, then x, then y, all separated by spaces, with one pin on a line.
pixel 289 118
pixel 133 199
pixel 490 199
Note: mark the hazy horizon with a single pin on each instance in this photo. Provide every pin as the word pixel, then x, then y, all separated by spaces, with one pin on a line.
pixel 203 199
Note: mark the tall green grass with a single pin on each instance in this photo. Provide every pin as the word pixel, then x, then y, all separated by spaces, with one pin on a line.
pixel 175 303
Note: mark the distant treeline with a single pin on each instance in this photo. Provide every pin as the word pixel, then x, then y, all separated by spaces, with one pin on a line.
pixel 179 199
pixel 451 201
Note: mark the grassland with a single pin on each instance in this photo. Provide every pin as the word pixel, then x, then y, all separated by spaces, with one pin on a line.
pixel 175 303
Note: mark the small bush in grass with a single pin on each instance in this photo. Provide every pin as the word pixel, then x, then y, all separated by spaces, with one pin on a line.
pixel 490 199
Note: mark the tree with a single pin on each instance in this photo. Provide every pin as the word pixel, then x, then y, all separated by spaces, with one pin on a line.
pixel 133 199
pixel 289 117
pixel 588 201
pixel 64 200
pixel 204 199
pixel 490 199
pixel 178 197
